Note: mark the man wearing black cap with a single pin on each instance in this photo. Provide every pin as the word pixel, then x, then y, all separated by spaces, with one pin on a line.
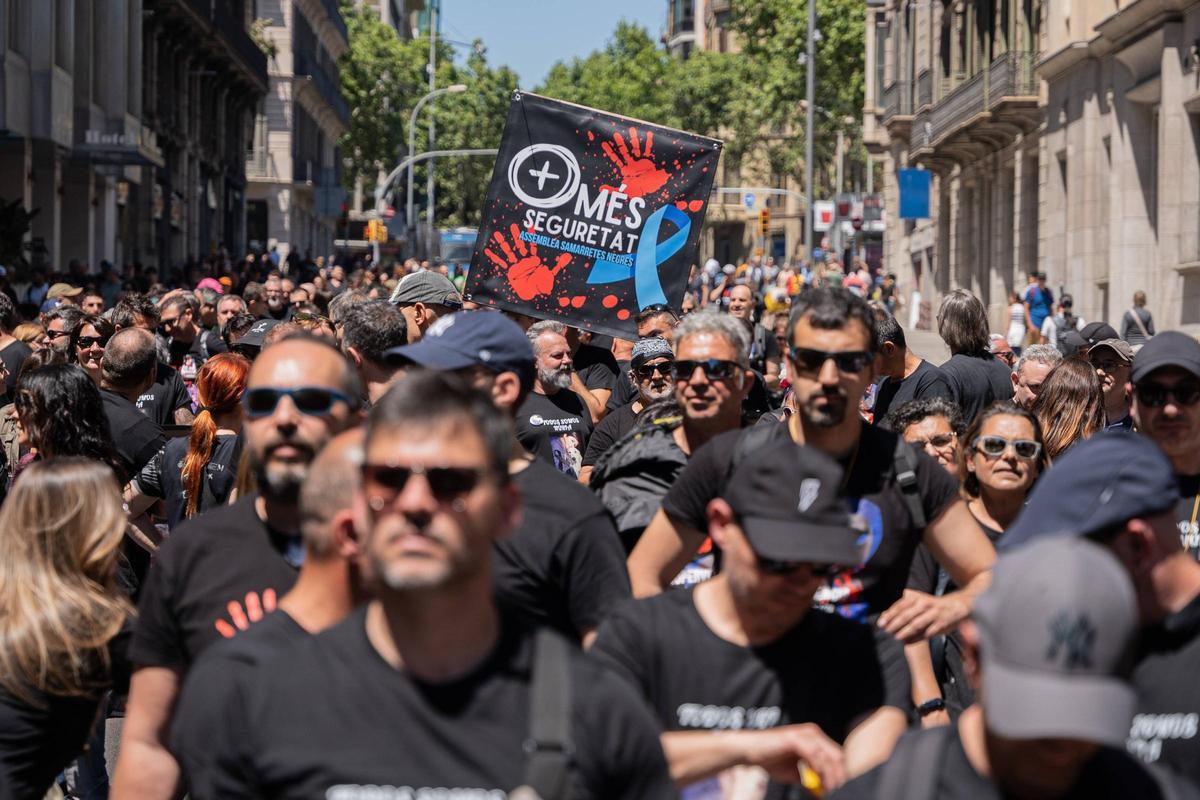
pixel 1049 642
pixel 1095 332
pixel 740 669
pixel 1113 361
pixel 424 298
pixel 564 566
pixel 1166 406
pixel 1119 490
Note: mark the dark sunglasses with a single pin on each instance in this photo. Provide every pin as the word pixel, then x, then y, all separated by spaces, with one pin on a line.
pixel 86 342
pixel 313 401
pixel 1108 366
pixel 1155 395
pixel 656 308
pixel 994 447
pixel 774 567
pixel 55 334
pixel 853 361
pixel 647 370
pixel 385 482
pixel 939 441
pixel 714 369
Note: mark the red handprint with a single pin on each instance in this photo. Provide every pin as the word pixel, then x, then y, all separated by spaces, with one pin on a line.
pixel 528 275
pixel 243 618
pixel 639 174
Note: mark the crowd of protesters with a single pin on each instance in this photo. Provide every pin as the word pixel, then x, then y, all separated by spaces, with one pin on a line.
pixel 283 528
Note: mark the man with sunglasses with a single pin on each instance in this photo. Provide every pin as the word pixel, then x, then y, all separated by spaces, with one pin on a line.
pixel 905 497
pixel 1113 360
pixel 741 670
pixel 224 570
pixel 432 685
pixel 179 331
pixel 1166 407
pixel 656 321
pixel 60 326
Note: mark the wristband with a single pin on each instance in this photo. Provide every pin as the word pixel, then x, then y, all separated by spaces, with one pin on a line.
pixel 930 706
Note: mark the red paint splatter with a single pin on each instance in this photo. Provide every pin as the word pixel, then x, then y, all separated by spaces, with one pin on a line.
pixel 563 302
pixel 591 136
pixel 623 314
pixel 609 301
pixel 681 205
pixel 527 274
pixel 639 174
pixel 577 301
pixel 696 205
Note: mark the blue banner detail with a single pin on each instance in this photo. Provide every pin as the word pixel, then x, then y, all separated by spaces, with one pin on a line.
pixel 914 193
pixel 650 254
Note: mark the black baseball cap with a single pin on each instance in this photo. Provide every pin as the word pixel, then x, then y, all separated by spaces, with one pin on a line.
pixel 471 338
pixel 1097 485
pixel 1097 332
pixel 786 498
pixel 1167 349
pixel 257 332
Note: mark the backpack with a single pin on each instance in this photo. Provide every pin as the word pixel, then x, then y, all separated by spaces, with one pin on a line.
pixel 1063 323
pixel 758 350
pixel 549 748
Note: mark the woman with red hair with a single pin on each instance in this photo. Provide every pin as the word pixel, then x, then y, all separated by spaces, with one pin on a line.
pixel 197 473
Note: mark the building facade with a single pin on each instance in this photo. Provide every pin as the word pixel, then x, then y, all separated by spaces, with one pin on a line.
pixel 294 165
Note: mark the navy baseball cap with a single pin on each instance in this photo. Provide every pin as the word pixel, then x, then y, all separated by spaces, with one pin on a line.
pixel 1097 485
pixel 1167 349
pixel 468 339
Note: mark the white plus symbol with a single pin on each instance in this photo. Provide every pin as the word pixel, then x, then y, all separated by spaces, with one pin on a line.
pixel 543 174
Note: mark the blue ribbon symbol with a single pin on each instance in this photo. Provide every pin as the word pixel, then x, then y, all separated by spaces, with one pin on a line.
pixel 650 254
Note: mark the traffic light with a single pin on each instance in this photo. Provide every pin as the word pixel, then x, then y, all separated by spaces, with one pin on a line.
pixel 376 231
pixel 764 222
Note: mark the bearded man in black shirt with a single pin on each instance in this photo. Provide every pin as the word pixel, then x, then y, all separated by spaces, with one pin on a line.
pixel 428 690
pixel 225 569
pixel 740 669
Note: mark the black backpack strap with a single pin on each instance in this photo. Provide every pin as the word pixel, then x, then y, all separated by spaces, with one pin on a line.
pixel 906 477
pixel 912 770
pixel 548 747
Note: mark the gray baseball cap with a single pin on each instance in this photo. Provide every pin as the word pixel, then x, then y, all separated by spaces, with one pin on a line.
pixel 428 287
pixel 1056 630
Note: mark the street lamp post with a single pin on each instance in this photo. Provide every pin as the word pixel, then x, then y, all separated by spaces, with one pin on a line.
pixel 456 88
pixel 810 70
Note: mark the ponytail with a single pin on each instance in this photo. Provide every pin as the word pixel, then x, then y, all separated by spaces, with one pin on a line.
pixel 219 387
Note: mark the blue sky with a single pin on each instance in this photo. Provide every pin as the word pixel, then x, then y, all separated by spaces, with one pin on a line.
pixel 530 35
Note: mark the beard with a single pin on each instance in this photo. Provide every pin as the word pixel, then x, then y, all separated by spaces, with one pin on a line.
pixel 558 378
pixel 829 415
pixel 281 482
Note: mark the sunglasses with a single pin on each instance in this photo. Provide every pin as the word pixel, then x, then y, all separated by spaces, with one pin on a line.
pixel 1155 395
pixel 851 361
pixel 714 369
pixel 772 566
pixel 663 368
pixel 385 482
pixel 1008 357
pixel 995 446
pixel 313 401
pixel 1109 367
pixel 55 334
pixel 656 308
pixel 939 441
pixel 88 342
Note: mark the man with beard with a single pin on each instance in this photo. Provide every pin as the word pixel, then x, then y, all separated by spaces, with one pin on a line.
pixel 554 422
pixel 903 496
pixel 277 299
pixel 224 570
pixel 651 370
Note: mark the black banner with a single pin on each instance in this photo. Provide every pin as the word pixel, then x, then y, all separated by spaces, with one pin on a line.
pixel 590 217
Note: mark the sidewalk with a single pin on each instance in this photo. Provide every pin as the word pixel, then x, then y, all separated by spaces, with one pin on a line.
pixel 928 345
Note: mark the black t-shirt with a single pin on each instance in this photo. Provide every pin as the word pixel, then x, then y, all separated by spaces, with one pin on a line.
pixel 179 351
pixel 976 382
pixel 624 394
pixel 695 680
pixel 214 575
pixel 136 438
pixel 608 431
pixel 764 348
pixel 1187 513
pixel 926 381
pixel 163 476
pixel 555 428
pixel 596 366
pixel 167 394
pixel 13 355
pixel 36 743
pixel 1166 728
pixel 564 565
pixel 1110 775
pixel 210 682
pixel 328 717
pixel 872 493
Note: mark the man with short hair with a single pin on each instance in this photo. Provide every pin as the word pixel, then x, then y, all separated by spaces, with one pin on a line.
pixel 1113 361
pixel 726 665
pixel 423 298
pixel 60 326
pixel 177 325
pixel 256 299
pixel 563 567
pixel 228 307
pixel 905 497
pixel 13 351
pixel 1030 372
pixel 328 587
pixel 905 375
pixel 277 299
pixel 933 425
pixel 167 401
pixel 92 303
pixel 593 374
pixel 1051 639
pixel 999 347
pixel 127 371
pixel 225 569
pixel 765 357
pixel 1166 408
pixel 1119 491
pixel 369 331
pixel 554 422
pixel 446 691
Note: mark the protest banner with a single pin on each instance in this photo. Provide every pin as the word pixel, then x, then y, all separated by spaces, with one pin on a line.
pixel 590 217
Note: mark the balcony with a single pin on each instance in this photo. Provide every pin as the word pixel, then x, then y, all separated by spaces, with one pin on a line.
pixel 227 38
pixel 898 107
pixel 305 68
pixel 335 16
pixel 260 165
pixel 924 89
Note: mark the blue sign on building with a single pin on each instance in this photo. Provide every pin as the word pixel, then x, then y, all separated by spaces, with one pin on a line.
pixel 914 193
